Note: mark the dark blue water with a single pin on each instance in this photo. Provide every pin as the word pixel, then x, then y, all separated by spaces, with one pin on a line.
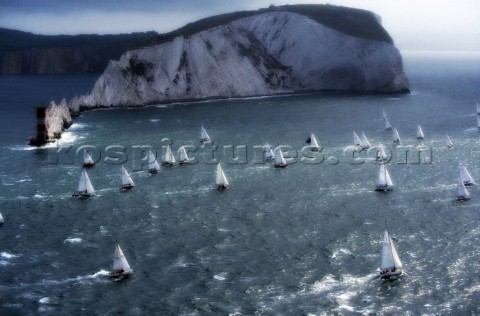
pixel 302 240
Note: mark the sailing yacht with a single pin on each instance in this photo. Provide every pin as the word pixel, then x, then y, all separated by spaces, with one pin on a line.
pixel 280 161
pixel 449 142
pixel 1 219
pixel 127 182
pixel 465 175
pixel 462 192
pixel 384 182
pixel 381 154
pixel 361 142
pixel 391 266
pixel 268 153
pixel 221 180
pixel 183 158
pixel 478 109
pixel 153 166
pixel 365 143
pixel 478 122
pixel 85 188
pixel 87 160
pixel 388 126
pixel 314 146
pixel 120 268
pixel 169 158
pixel 356 140
pixel 396 136
pixel 204 137
pixel 420 135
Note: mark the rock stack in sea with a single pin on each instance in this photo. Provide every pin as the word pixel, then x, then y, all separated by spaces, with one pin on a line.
pixel 74 106
pixel 57 119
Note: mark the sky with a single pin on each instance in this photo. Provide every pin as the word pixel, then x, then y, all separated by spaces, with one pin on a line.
pixel 449 25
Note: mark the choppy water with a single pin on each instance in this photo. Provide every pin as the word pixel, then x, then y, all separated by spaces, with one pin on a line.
pixel 301 240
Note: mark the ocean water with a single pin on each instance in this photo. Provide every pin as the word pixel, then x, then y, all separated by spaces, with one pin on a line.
pixel 304 240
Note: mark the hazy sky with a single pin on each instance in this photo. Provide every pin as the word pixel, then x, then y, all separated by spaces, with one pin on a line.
pixel 413 24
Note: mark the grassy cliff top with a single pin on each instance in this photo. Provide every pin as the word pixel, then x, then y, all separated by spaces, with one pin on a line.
pixel 353 22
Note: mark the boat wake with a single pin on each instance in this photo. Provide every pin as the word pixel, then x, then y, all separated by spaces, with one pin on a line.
pixel 200 189
pixel 99 275
pixel 40 196
pixel 344 291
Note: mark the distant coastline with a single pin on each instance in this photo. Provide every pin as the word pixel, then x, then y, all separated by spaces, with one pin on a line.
pixel 28 53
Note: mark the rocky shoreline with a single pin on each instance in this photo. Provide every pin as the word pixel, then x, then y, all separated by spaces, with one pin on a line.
pixel 60 117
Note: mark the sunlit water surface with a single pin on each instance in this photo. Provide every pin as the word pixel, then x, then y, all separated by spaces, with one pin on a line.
pixel 304 240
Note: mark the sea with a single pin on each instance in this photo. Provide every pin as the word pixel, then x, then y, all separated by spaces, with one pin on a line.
pixel 303 240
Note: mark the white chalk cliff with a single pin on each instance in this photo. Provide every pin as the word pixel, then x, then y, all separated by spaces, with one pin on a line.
pixel 267 53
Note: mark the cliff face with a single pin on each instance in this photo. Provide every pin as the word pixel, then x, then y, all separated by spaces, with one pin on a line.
pixel 264 54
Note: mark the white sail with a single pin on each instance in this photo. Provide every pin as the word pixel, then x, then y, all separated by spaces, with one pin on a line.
pixel 1 219
pixel 356 140
pixel 390 258
pixel 120 262
pixel 204 137
pixel 313 142
pixel 268 153
pixel 420 135
pixel 87 159
pixel 388 180
pixel 221 179
pixel 127 181
pixel 381 155
pixel 169 158
pixel 462 192
pixel 449 142
pixel 153 165
pixel 182 155
pixel 364 141
pixel 387 124
pixel 384 182
pixel 465 175
pixel 85 187
pixel 396 136
pixel 279 159
pixel 387 121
